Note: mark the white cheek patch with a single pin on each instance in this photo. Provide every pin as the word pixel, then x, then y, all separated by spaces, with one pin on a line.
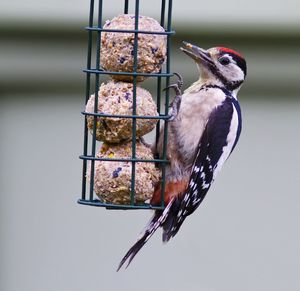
pixel 232 72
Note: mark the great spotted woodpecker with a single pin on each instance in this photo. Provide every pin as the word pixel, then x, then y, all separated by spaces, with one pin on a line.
pixel 204 129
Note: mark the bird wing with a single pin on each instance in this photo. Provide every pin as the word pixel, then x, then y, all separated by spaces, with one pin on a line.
pixel 216 143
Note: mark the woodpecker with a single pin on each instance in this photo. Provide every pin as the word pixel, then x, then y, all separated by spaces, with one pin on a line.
pixel 204 129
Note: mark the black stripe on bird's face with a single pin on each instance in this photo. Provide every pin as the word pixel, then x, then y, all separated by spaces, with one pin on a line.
pixel 229 85
pixel 230 68
pixel 225 64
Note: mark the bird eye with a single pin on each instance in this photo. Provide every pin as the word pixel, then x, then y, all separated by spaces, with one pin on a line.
pixel 224 61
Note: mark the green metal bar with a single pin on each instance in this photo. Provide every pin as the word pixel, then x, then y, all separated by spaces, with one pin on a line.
pixel 158 100
pixel 110 206
pixel 101 72
pixel 124 160
pixel 158 91
pixel 135 63
pixel 125 116
pixel 87 96
pixel 165 143
pixel 130 31
pixel 126 6
pixel 91 196
pixel 162 13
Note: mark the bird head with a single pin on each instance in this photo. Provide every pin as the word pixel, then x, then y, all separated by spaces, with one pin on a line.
pixel 218 65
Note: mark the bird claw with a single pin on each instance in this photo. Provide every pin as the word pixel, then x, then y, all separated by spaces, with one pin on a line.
pixel 177 86
pixel 142 140
pixel 176 102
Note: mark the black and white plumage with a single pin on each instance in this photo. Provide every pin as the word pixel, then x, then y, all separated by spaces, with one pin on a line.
pixel 216 144
pixel 201 137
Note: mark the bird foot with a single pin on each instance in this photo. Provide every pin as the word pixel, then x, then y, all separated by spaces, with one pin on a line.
pixel 142 140
pixel 176 102
pixel 177 86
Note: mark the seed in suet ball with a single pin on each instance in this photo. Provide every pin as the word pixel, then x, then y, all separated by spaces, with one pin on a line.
pixel 112 180
pixel 116 98
pixel 117 48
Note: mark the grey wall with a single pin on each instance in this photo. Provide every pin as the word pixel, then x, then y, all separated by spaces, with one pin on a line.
pixel 245 234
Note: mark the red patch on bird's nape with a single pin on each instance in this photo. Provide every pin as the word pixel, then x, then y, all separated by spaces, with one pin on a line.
pixel 230 51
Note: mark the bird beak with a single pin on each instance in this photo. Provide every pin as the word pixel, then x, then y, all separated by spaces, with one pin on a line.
pixel 197 53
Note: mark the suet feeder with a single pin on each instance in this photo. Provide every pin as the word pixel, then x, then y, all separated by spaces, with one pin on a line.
pixel 95 70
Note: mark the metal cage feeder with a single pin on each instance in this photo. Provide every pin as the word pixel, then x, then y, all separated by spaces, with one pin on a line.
pixel 93 70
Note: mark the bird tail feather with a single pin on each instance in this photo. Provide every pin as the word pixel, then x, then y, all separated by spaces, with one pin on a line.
pixel 157 220
pixel 170 226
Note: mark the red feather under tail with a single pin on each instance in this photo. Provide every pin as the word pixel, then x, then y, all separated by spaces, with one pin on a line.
pixel 172 189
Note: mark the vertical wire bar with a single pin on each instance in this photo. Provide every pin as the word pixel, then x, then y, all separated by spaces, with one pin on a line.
pixel 158 92
pixel 96 100
pixel 166 105
pixel 135 48
pixel 126 6
pixel 87 95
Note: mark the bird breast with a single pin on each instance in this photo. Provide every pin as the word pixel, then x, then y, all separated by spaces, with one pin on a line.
pixel 194 113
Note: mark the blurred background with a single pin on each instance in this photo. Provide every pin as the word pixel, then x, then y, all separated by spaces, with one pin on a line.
pixel 245 236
